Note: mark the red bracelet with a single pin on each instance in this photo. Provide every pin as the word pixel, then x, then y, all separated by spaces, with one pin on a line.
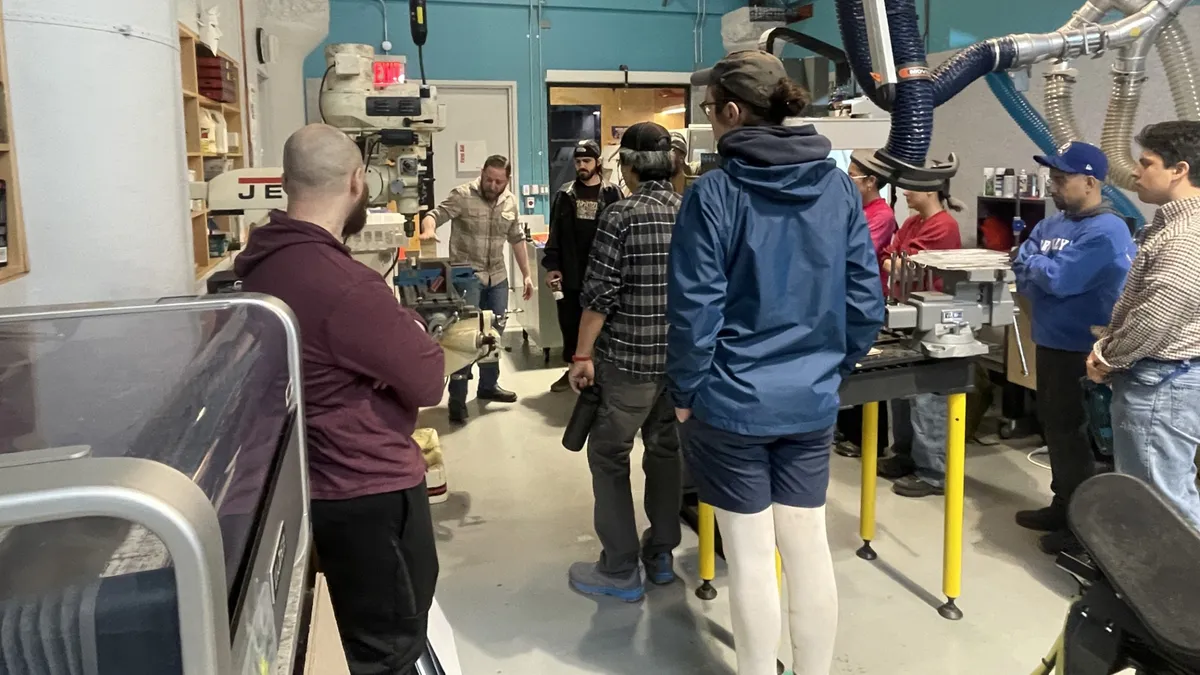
pixel 580 359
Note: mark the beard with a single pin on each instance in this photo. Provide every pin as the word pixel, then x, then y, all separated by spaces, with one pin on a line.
pixel 356 222
pixel 1061 204
pixel 584 175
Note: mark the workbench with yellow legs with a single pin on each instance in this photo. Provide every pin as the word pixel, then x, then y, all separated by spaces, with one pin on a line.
pixel 952 543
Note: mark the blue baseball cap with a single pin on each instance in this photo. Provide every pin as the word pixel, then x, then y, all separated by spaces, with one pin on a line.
pixel 1078 158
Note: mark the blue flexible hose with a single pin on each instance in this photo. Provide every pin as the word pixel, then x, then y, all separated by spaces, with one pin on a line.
pixel 912 114
pixel 1034 125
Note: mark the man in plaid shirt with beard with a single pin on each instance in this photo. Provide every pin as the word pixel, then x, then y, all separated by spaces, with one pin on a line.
pixel 1151 349
pixel 624 328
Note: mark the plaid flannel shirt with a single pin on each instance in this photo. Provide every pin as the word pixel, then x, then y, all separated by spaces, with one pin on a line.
pixel 1158 314
pixel 479 230
pixel 627 279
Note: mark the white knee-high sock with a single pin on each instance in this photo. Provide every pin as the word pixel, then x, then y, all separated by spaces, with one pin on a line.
pixel 812 589
pixel 749 542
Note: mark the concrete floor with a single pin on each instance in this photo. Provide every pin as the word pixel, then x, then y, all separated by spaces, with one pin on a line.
pixel 520 513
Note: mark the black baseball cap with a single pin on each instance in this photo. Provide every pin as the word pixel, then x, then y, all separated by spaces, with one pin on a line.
pixel 587 149
pixel 749 76
pixel 646 137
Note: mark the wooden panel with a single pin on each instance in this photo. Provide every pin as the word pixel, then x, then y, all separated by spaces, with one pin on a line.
pixel 17 253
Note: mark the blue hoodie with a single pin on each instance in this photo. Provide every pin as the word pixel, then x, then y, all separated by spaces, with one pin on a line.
pixel 774 292
pixel 1072 269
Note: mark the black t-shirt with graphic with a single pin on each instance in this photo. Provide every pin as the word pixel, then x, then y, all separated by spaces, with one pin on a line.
pixel 587 212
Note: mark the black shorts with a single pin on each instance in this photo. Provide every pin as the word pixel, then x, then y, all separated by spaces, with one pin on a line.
pixel 379 557
pixel 746 474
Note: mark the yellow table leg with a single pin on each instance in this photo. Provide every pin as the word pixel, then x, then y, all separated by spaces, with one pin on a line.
pixel 956 460
pixel 870 459
pixel 778 570
pixel 707 527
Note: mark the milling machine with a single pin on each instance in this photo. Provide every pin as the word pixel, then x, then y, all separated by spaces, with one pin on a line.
pixel 392 120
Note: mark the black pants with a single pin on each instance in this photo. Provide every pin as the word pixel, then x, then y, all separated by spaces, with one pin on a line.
pixel 1064 420
pixel 379 558
pixel 570 313
pixel 850 423
pixel 628 405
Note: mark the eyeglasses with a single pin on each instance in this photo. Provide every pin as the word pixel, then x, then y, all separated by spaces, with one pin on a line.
pixel 708 107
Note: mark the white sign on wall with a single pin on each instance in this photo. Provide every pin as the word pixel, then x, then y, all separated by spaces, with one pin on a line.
pixel 471 156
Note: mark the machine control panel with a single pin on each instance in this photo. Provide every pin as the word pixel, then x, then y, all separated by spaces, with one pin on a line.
pixel 393 106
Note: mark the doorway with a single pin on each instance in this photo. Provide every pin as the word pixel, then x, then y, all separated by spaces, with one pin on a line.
pixel 603 113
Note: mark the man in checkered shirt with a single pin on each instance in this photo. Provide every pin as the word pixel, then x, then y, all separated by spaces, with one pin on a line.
pixel 1151 349
pixel 624 328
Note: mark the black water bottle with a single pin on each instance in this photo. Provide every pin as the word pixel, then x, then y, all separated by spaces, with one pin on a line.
pixel 576 435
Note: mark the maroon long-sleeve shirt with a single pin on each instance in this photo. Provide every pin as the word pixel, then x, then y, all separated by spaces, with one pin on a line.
pixel 369 364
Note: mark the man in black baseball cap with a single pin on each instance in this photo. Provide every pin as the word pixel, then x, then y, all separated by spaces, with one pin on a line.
pixel 624 330
pixel 573 215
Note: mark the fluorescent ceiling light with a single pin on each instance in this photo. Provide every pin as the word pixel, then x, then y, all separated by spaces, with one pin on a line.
pixel 677 110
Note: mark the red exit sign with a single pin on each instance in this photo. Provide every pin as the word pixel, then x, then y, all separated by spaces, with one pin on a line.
pixel 388 73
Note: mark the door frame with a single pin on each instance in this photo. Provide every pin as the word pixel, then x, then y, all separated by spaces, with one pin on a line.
pixel 510 88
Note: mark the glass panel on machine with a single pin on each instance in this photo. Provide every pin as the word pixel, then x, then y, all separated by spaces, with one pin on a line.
pixel 201 390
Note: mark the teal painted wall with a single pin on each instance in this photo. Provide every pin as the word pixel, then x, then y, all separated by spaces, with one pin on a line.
pixel 490 40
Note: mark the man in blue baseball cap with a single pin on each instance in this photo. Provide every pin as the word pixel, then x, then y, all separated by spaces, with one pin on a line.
pixel 1072 270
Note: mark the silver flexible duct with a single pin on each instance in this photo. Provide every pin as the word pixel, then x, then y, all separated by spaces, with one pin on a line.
pixel 1179 62
pixel 1183 72
pixel 1060 107
pixel 1117 137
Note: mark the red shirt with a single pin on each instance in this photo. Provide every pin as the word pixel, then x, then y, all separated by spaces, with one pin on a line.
pixel 938 233
pixel 882 221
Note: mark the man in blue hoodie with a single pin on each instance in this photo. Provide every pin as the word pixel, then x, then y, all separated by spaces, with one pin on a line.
pixel 1072 270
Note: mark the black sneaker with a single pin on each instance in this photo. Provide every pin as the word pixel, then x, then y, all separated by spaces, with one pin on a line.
pixel 458 412
pixel 847 449
pixel 915 488
pixel 497 395
pixel 562 384
pixel 1061 541
pixel 896 467
pixel 1049 519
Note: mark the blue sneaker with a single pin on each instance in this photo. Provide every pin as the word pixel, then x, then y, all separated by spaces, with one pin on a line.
pixel 660 569
pixel 586 578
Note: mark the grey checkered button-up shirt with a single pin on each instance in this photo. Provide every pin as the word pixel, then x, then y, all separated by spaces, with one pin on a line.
pixel 479 229
pixel 1158 314
pixel 627 279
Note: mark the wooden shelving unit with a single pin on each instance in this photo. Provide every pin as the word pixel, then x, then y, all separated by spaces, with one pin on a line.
pixel 14 261
pixel 207 164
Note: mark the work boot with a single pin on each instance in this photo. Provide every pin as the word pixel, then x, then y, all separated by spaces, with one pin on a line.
pixel 586 578
pixel 915 488
pixel 1050 519
pixel 1060 541
pixel 458 412
pixel 896 467
pixel 497 395
pixel 562 384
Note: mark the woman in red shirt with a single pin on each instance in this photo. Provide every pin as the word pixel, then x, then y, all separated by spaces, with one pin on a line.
pixel 918 465
pixel 930 228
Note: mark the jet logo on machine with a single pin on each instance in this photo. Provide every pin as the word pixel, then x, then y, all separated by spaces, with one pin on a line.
pixel 272 188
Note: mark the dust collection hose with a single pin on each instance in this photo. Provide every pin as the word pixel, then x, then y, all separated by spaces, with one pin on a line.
pixel 914 99
pixel 1036 128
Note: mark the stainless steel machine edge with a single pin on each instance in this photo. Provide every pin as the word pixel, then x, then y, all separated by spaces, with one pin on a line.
pixel 158 498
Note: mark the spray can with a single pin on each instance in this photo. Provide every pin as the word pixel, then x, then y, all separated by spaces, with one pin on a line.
pixel 1044 180
pixel 1010 183
pixel 998 183
pixel 1023 184
pixel 989 182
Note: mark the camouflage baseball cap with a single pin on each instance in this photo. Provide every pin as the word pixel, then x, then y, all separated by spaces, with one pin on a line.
pixel 749 76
